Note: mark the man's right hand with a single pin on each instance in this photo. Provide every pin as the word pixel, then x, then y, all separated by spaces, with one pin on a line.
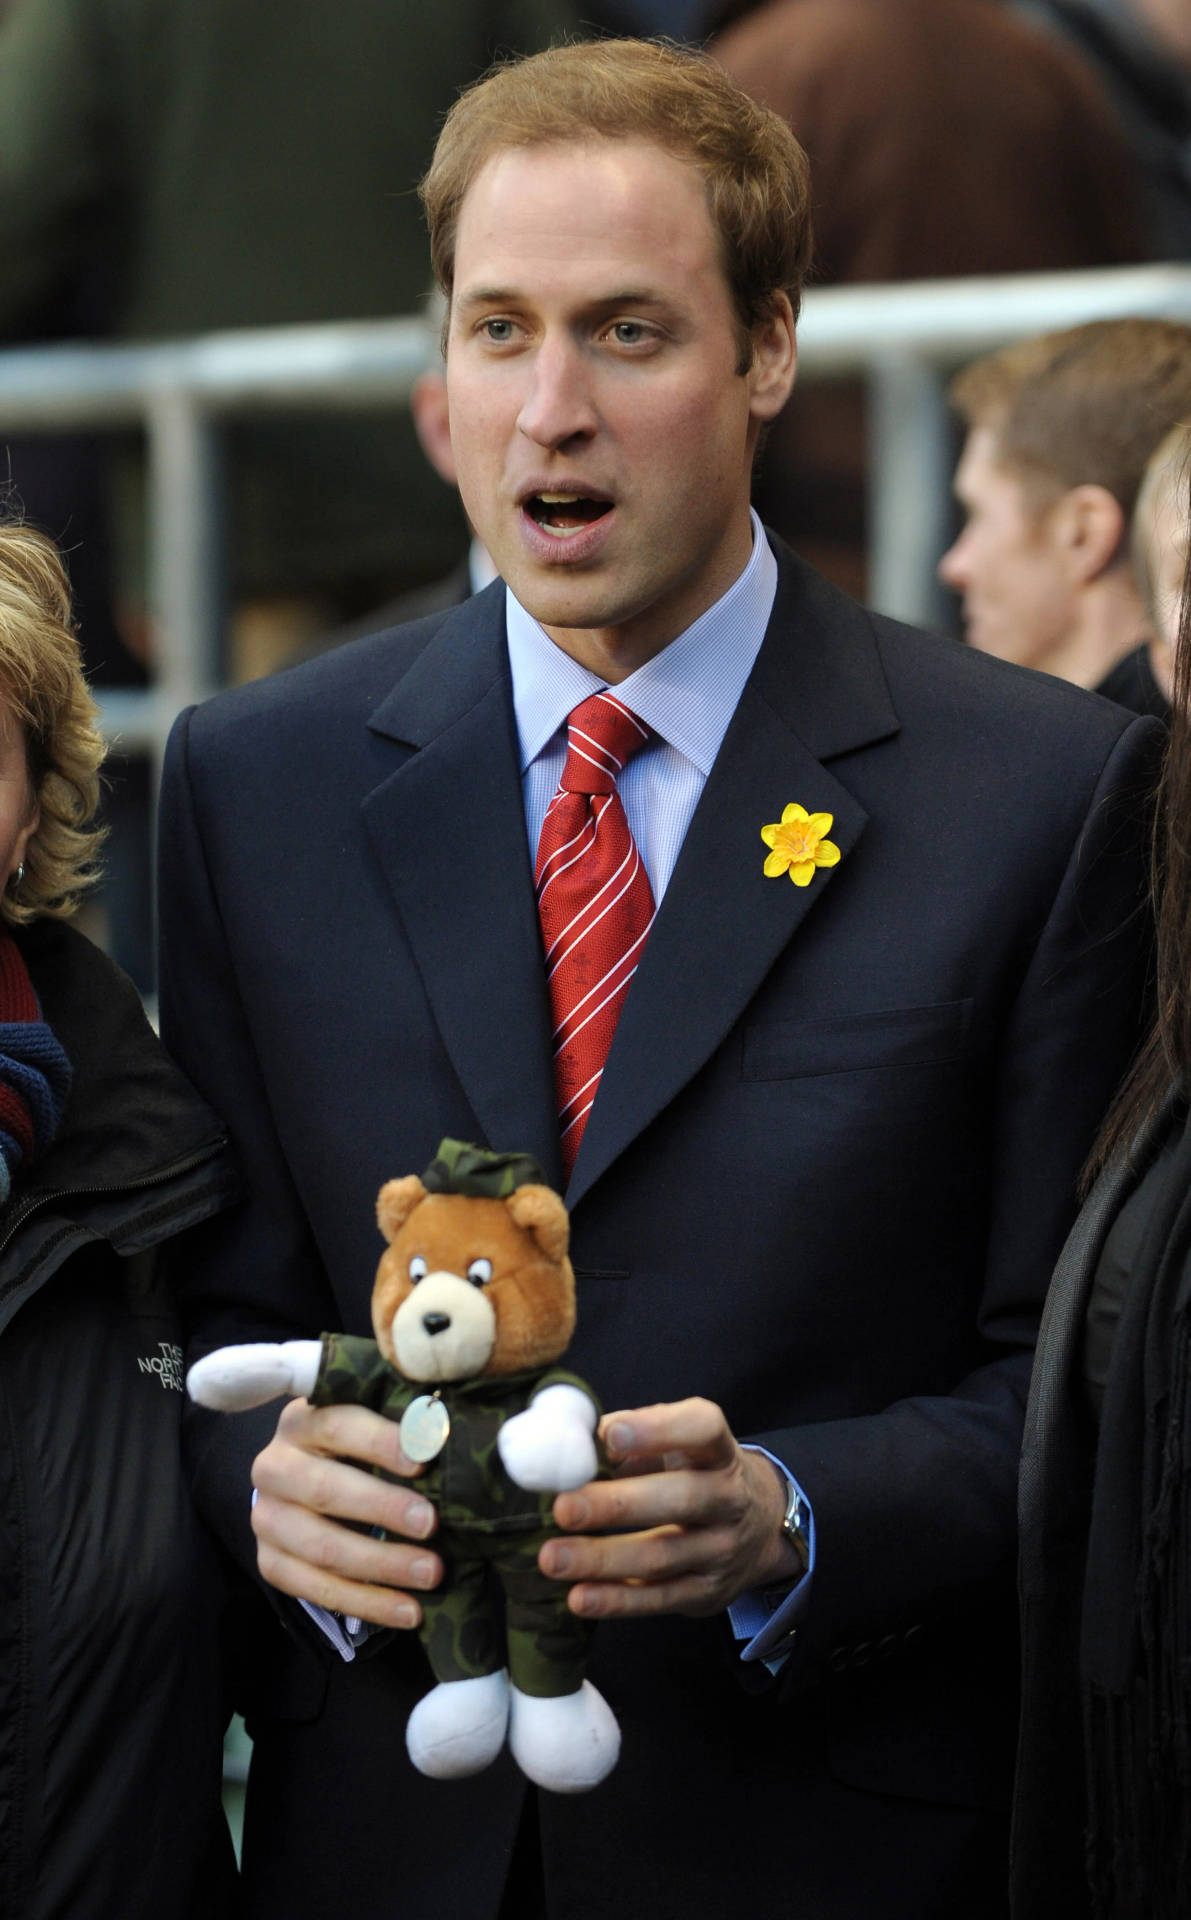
pixel 307 1483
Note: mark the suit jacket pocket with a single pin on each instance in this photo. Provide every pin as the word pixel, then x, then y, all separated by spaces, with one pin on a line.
pixel 857 1042
pixel 912 1739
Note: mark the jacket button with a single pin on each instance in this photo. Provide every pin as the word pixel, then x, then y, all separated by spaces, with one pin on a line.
pixel 862 1654
pixel 889 1646
pixel 837 1659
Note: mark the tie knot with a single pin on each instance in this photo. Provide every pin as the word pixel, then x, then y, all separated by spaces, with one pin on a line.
pixel 602 735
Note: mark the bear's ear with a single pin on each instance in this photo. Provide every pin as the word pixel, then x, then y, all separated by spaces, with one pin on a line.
pixel 540 1212
pixel 396 1201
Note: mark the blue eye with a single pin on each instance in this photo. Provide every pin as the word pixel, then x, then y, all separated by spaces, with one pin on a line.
pixel 417 1269
pixel 480 1272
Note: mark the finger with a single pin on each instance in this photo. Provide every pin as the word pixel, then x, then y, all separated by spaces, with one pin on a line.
pixel 664 1570
pixel 348 1433
pixel 344 1551
pixel 690 1432
pixel 699 1595
pixel 691 1497
pixel 381 1606
pixel 341 1490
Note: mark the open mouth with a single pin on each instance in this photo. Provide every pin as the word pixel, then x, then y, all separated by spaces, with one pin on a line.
pixel 563 514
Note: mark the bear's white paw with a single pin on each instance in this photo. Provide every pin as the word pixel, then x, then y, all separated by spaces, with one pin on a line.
pixel 550 1448
pixel 567 1744
pixel 459 1728
pixel 233 1378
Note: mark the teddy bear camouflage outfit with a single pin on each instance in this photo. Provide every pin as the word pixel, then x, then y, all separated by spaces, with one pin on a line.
pixel 484 1519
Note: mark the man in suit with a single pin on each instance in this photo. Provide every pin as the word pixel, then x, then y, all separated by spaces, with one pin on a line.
pixel 835 1144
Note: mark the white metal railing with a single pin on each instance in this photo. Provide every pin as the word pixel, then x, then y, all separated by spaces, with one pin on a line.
pixel 904 339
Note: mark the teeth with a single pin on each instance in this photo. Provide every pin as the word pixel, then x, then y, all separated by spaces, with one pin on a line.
pixel 559 499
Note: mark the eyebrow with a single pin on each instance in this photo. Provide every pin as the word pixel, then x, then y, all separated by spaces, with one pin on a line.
pixel 512 296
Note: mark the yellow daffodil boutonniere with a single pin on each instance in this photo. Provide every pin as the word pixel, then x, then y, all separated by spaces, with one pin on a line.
pixel 799 845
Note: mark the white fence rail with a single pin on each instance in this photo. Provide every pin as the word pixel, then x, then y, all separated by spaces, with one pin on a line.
pixel 903 339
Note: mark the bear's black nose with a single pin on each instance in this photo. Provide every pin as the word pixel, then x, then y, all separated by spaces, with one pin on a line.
pixel 436 1322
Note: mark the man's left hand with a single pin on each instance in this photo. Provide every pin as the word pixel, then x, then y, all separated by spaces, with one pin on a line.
pixel 690 1521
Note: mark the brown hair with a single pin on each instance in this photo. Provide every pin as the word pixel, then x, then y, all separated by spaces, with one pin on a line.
pixel 756 176
pixel 1086 406
pixel 42 685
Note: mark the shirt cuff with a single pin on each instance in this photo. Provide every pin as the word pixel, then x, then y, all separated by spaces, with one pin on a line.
pixel 344 1631
pixel 767 1618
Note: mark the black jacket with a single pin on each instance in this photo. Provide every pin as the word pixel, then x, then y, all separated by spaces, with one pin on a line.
pixel 111 1707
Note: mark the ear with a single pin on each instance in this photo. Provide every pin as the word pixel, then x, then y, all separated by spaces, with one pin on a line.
pixel 540 1212
pixel 396 1201
pixel 774 363
pixel 1090 526
pixel 432 422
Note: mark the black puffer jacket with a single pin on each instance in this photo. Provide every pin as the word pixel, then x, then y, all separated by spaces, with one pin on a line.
pixel 111 1702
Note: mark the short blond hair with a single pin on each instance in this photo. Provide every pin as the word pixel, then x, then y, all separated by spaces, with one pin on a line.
pixel 755 174
pixel 1082 407
pixel 42 685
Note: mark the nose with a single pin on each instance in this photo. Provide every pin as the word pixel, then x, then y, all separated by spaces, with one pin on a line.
pixel 953 567
pixel 558 406
pixel 436 1322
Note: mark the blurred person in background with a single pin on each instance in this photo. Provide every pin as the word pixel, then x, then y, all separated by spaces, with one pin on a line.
pixel 428 406
pixel 110 1604
pixel 1140 52
pixel 1102 1822
pixel 945 137
pixel 1059 430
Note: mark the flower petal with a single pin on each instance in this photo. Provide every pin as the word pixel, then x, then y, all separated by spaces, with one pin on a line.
pixel 793 812
pixel 775 864
pixel 821 823
pixel 769 834
pixel 803 873
pixel 826 853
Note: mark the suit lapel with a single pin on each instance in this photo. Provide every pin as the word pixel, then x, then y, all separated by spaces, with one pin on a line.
pixel 448 827
pixel 817 690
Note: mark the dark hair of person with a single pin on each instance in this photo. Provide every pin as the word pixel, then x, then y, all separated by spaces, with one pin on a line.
pixel 1165 1059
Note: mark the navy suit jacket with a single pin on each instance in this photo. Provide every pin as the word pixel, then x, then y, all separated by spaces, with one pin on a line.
pixel 832 1160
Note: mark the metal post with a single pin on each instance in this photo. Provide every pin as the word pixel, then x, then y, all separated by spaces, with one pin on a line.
pixel 909 483
pixel 186 547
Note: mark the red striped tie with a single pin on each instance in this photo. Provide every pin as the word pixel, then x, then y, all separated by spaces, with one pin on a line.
pixel 595 901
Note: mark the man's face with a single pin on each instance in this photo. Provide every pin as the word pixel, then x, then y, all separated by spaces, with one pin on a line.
pixel 602 433
pixel 1008 564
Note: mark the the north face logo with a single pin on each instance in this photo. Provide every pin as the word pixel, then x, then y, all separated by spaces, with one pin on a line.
pixel 166 1363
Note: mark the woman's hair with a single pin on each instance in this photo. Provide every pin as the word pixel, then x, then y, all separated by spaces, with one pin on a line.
pixel 755 174
pixel 42 686
pixel 1164 480
pixel 1165 1059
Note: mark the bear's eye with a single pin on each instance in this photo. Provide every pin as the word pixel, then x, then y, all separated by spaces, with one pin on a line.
pixel 480 1272
pixel 417 1269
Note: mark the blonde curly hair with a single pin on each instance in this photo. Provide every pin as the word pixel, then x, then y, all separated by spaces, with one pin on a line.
pixel 42 686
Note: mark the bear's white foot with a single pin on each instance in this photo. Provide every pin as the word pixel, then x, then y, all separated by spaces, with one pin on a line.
pixel 567 1744
pixel 459 1728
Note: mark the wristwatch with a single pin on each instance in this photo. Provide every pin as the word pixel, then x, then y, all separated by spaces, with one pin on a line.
pixel 795 1523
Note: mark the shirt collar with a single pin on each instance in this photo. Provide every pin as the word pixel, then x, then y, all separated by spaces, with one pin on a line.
pixel 687 693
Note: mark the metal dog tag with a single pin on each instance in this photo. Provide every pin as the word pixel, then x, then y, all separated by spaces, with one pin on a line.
pixel 424 1428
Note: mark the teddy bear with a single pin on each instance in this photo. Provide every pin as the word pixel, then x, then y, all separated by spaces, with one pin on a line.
pixel 474 1302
